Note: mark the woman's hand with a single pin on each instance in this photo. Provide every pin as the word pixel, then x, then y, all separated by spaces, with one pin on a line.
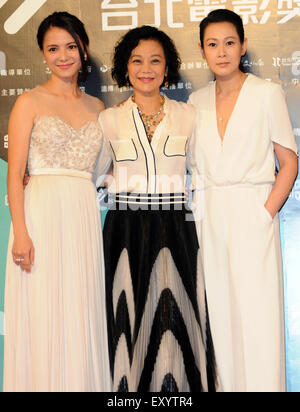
pixel 26 180
pixel 23 252
pixel 288 169
pixel 271 213
pixel 19 131
pixel 120 104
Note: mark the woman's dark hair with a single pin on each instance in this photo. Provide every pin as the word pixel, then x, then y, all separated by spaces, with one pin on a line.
pixel 221 16
pixel 73 26
pixel 130 41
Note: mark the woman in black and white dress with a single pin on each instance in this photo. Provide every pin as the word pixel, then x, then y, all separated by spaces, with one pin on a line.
pixel 159 333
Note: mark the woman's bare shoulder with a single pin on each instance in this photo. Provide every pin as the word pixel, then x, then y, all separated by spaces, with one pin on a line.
pixel 25 104
pixel 97 104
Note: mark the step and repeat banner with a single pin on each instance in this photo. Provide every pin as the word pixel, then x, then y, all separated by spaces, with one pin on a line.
pixel 273 31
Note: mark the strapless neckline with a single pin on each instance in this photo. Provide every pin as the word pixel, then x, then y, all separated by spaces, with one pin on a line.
pixel 66 122
pixel 56 144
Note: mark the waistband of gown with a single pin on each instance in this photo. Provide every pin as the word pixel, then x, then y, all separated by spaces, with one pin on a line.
pixel 61 172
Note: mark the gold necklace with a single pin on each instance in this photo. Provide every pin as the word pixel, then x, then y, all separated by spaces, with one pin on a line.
pixel 151 120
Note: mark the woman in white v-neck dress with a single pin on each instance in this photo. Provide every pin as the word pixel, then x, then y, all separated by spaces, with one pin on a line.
pixel 241 120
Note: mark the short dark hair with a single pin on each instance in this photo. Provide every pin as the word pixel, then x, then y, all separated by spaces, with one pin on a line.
pixel 221 16
pixel 72 25
pixel 130 41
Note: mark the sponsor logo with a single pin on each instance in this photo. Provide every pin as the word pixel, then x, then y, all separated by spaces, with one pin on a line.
pixel 296 63
pixel 293 61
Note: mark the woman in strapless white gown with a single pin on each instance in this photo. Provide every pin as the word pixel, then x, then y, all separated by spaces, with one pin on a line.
pixel 56 333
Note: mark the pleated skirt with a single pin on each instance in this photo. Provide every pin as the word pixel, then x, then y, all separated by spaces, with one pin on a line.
pixel 158 327
pixel 56 331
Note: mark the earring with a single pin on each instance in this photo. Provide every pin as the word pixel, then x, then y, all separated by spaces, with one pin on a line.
pixel 85 58
pixel 166 82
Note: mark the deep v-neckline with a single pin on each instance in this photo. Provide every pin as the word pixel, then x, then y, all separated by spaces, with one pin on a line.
pixel 235 108
pixel 65 122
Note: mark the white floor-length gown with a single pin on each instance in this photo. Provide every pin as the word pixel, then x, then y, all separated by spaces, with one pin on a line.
pixel 56 333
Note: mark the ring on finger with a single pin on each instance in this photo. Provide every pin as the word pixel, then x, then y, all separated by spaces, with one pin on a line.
pixel 19 260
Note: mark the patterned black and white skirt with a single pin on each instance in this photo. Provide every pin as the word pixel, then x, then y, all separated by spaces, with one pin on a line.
pixel 159 336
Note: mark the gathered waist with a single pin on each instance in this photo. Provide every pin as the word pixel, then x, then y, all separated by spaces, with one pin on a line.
pixel 243 185
pixel 61 172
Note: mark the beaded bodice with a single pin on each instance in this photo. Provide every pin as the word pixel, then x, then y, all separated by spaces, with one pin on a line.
pixel 56 144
